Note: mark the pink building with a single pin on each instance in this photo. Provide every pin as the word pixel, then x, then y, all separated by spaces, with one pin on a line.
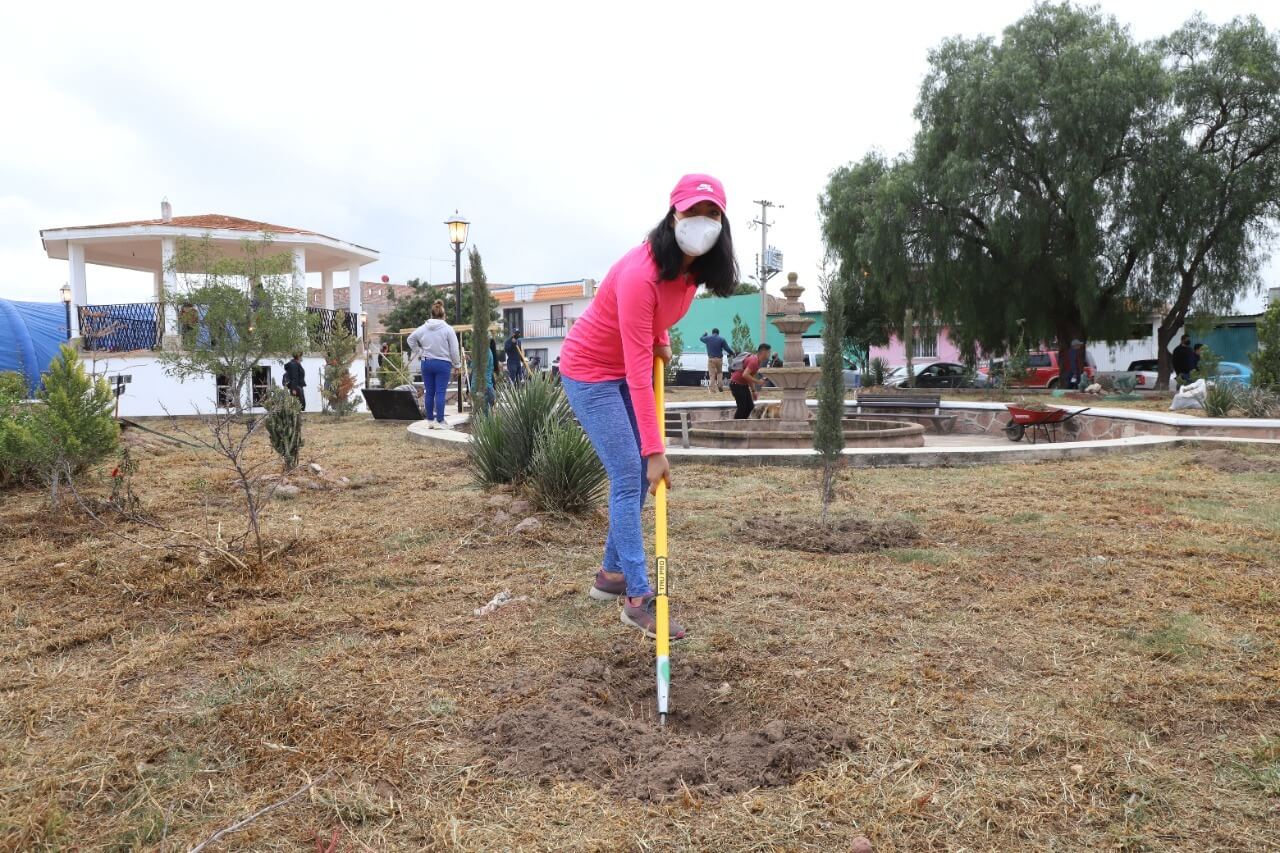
pixel 929 346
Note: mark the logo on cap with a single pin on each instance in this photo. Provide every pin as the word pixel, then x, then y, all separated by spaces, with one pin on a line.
pixel 706 187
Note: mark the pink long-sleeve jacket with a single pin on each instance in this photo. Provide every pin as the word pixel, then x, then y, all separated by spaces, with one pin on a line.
pixel 614 338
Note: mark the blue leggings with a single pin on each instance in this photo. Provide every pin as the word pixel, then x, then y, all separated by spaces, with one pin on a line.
pixel 435 382
pixel 604 409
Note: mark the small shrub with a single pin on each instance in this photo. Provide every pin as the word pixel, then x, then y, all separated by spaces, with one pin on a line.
pixel 1258 402
pixel 393 372
pixel 72 426
pixel 337 384
pixel 876 370
pixel 565 475
pixel 13 384
pixel 1266 358
pixel 284 426
pixel 17 451
pixel 1220 398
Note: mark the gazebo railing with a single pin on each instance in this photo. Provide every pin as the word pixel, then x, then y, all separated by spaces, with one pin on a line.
pixel 326 320
pixel 129 326
pixel 122 327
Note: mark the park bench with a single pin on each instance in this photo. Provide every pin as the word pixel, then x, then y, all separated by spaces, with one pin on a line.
pixel 908 405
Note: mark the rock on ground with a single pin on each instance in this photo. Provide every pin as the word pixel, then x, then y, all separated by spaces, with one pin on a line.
pixel 528 525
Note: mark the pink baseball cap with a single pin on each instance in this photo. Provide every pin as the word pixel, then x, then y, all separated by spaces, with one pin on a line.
pixel 692 189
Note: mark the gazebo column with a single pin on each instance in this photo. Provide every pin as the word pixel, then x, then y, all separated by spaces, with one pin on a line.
pixel 353 296
pixel 169 276
pixel 300 273
pixel 326 288
pixel 75 278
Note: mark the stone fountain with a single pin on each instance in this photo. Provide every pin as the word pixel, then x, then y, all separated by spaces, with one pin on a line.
pixel 795 382
pixel 792 428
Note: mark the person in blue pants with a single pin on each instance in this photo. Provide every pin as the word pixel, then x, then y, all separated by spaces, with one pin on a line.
pixel 436 343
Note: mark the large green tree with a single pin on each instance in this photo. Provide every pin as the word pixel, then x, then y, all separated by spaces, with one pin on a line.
pixel 1213 175
pixel 1067 177
pixel 1017 200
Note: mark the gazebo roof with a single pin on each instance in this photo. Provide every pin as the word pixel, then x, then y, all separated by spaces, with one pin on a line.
pixel 136 245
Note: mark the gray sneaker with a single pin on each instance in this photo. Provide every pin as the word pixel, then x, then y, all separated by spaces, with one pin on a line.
pixel 606 590
pixel 645 617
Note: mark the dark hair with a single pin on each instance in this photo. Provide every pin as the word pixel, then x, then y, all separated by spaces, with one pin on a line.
pixel 717 269
pixel 763 346
pixel 297 355
pixel 1197 346
pixel 715 331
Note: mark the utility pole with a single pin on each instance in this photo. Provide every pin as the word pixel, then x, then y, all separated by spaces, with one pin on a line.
pixel 762 266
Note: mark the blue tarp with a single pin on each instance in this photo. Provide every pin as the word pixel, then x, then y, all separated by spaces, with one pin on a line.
pixel 30 335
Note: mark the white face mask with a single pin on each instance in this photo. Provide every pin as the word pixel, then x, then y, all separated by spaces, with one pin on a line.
pixel 697 234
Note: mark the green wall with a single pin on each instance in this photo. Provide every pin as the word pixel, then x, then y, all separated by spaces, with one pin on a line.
pixel 706 314
pixel 1231 343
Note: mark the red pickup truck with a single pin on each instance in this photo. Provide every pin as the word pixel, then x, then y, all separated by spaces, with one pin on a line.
pixel 1042 370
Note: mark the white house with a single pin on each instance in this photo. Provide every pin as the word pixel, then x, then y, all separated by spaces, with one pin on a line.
pixel 121 341
pixel 543 313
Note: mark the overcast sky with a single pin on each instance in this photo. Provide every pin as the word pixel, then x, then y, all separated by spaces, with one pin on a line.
pixel 558 129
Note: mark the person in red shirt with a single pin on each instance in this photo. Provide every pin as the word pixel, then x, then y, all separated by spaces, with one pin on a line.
pixel 745 382
pixel 606 368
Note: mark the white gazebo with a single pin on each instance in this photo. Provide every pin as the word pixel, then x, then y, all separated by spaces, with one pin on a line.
pixel 148 245
pixel 122 338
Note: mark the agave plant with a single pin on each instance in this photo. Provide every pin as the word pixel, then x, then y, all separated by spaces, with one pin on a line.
pixel 565 474
pixel 1258 403
pixel 1220 398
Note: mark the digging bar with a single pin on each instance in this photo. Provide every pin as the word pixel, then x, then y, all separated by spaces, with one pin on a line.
pixel 663 640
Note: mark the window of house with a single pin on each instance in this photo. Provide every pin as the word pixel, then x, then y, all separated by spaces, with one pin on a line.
pixel 540 355
pixel 925 346
pixel 557 316
pixel 224 396
pixel 261 384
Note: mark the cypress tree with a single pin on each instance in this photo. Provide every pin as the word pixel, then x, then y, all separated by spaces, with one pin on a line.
pixel 828 430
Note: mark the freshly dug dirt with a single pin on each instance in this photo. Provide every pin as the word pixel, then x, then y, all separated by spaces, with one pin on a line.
pixel 1233 462
pixel 837 536
pixel 596 723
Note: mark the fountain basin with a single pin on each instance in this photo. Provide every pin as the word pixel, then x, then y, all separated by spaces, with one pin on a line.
pixel 775 434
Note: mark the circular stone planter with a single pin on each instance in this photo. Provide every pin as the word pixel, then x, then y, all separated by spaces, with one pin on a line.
pixel 773 435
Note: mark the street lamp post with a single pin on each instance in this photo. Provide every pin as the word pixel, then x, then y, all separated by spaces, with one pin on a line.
pixel 457 238
pixel 65 290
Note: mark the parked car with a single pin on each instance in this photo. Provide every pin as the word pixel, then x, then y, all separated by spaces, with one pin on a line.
pixel 1235 373
pixel 852 378
pixel 1042 370
pixel 939 374
pixel 894 375
pixel 1145 373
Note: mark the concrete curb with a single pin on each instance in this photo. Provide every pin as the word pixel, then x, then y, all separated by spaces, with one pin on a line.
pixel 891 457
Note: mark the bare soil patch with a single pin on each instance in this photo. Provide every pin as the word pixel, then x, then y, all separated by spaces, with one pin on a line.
pixel 837 536
pixel 1235 462
pixel 594 722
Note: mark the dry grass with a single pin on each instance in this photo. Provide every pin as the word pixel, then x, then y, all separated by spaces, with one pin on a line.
pixel 1075 656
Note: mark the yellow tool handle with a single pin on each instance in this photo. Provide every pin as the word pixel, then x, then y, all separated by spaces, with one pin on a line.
pixel 660 527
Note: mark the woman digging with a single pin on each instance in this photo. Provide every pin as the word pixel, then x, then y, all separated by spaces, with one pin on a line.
pixel 606 367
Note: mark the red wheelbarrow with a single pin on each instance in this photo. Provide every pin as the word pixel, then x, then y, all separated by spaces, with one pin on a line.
pixel 1041 422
